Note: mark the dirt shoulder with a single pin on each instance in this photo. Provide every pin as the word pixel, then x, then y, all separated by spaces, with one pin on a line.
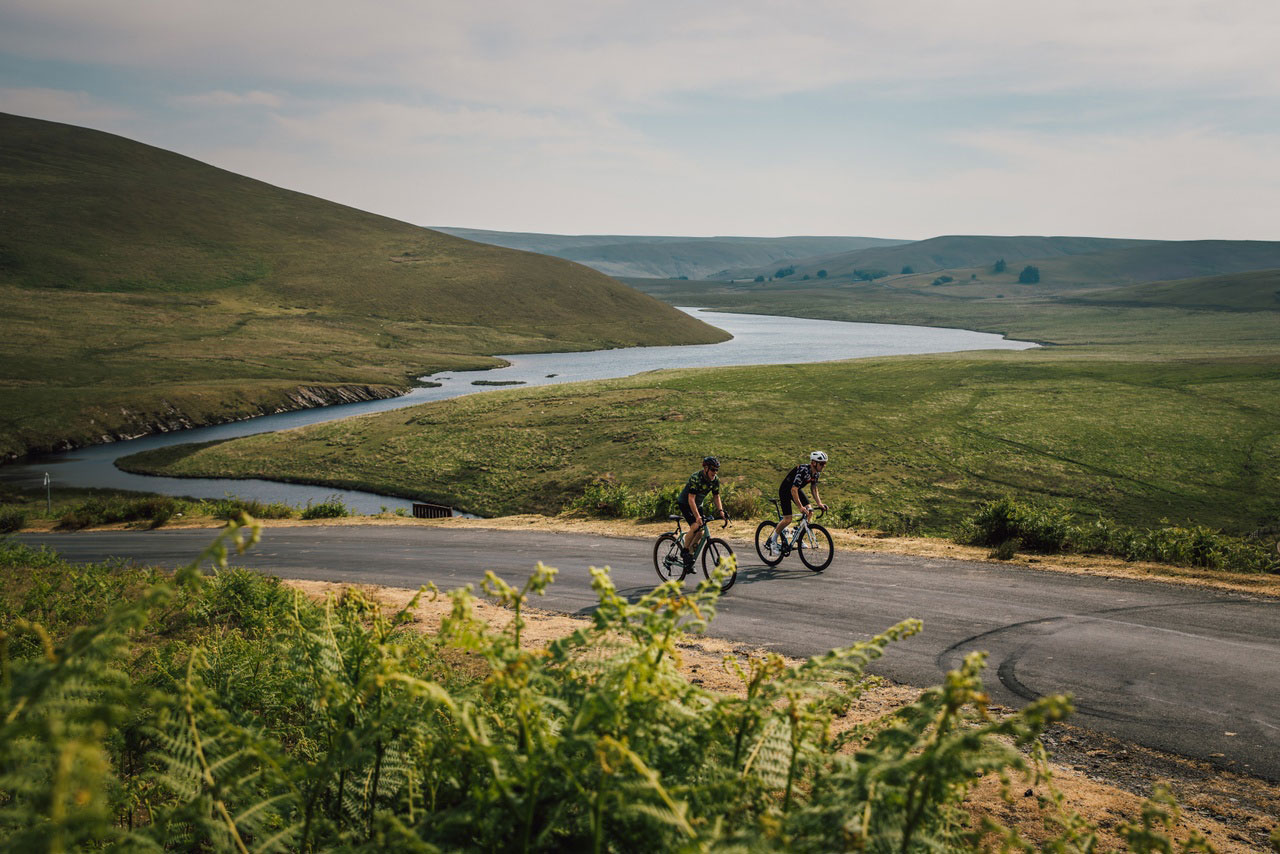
pixel 1104 779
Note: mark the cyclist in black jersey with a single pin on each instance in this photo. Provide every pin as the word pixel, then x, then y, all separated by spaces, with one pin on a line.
pixel 700 483
pixel 791 489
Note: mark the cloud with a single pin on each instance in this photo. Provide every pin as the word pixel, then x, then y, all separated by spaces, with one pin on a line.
pixel 223 98
pixel 604 55
pixel 60 105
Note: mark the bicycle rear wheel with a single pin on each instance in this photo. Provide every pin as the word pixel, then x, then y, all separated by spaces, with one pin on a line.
pixel 716 551
pixel 666 558
pixel 763 533
pixel 816 549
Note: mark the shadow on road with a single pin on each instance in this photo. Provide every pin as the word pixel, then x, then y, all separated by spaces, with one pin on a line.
pixel 747 574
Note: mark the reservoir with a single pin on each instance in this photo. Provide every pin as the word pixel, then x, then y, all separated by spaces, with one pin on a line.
pixel 757 340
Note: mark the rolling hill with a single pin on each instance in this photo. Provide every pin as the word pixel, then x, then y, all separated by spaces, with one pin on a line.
pixel 1063 261
pixel 145 290
pixel 1255 291
pixel 670 257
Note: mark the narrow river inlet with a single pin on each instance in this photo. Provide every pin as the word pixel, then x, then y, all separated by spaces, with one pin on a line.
pixel 757 340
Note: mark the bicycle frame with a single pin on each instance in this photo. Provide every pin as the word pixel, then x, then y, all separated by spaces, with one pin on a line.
pixel 678 533
pixel 801 529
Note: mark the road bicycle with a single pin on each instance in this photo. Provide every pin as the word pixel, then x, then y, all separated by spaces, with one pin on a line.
pixel 810 539
pixel 670 565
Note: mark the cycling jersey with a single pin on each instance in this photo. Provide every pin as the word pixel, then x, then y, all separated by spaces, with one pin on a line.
pixel 699 486
pixel 799 477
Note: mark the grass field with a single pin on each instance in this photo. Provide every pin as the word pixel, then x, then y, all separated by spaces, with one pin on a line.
pixel 141 286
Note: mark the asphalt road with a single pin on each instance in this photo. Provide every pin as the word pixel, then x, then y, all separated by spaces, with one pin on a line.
pixel 1187 670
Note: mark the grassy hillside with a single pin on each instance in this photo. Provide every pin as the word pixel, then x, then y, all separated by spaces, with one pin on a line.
pixel 662 257
pixel 1256 291
pixel 1064 262
pixel 942 253
pixel 142 287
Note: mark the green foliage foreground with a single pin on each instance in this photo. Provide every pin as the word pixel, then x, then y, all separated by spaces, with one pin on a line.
pixel 229 714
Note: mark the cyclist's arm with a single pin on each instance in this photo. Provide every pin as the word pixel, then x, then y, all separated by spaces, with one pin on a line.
pixel 817 499
pixel 719 505
pixel 795 495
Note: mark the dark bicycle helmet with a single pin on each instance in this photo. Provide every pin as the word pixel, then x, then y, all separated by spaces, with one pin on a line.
pixel 711 462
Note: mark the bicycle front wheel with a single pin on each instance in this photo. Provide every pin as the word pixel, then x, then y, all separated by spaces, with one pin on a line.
pixel 666 558
pixel 816 548
pixel 716 551
pixel 763 533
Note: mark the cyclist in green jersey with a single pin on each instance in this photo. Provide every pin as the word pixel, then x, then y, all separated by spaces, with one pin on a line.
pixel 700 483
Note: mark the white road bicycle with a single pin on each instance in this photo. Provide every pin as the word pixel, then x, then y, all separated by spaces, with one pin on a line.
pixel 810 539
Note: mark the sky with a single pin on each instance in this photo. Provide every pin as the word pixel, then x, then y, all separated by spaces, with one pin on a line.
pixel 885 118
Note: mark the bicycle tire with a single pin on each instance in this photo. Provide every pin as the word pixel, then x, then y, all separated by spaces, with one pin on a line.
pixel 763 533
pixel 668 546
pixel 817 557
pixel 716 551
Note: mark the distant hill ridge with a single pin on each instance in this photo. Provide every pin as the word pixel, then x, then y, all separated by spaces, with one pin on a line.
pixel 1076 260
pixel 669 257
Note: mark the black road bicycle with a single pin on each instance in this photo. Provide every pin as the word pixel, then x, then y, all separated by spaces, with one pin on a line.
pixel 811 540
pixel 711 550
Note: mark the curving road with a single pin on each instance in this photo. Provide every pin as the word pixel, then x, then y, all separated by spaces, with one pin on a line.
pixel 1187 670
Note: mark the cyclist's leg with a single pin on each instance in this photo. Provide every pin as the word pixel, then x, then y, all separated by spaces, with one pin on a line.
pixel 695 529
pixel 784 511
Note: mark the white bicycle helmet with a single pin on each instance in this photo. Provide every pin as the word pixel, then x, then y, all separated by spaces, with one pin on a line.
pixel 818 457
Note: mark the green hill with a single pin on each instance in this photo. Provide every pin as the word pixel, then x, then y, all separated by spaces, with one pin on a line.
pixel 1255 291
pixel 945 253
pixel 1063 261
pixel 145 290
pixel 670 257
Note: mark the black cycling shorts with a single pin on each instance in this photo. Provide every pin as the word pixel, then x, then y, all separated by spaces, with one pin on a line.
pixel 683 503
pixel 784 498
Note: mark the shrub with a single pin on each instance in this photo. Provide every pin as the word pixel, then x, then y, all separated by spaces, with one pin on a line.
pixel 1006 550
pixel 1051 530
pixel 908 270
pixel 332 507
pixel 604 497
pixel 109 510
pixel 231 507
pixel 1040 529
pixel 743 502
pixel 942 280
pixel 1029 275
pixel 11 519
